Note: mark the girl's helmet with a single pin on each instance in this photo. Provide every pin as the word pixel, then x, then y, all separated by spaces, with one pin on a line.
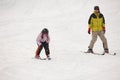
pixel 45 30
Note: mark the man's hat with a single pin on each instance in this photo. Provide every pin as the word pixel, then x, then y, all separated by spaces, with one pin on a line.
pixel 96 8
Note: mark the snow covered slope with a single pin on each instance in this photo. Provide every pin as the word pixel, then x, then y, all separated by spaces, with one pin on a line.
pixel 22 20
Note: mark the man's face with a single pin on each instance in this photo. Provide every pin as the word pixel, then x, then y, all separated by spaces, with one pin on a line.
pixel 96 10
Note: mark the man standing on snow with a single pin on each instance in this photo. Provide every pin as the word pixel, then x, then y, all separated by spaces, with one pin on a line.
pixel 97 26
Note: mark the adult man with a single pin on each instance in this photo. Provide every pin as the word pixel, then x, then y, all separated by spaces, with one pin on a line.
pixel 97 26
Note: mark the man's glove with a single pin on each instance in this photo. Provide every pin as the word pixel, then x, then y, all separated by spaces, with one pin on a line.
pixel 88 30
pixel 104 29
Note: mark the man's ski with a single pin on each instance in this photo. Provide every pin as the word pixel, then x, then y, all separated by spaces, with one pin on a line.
pixel 91 53
pixel 113 54
pixel 98 53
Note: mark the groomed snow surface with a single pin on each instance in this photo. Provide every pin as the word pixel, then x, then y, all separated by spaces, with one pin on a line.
pixel 22 20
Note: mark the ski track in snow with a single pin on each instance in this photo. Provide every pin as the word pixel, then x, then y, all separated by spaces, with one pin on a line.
pixel 22 20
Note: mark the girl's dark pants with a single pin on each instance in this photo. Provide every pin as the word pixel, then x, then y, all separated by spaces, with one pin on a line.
pixel 44 45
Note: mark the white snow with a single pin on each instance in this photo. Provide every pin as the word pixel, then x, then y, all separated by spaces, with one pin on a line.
pixel 22 20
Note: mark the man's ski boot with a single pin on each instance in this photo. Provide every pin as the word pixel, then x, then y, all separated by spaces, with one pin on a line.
pixel 106 51
pixel 89 51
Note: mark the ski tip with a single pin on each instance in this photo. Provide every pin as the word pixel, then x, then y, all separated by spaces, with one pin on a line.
pixel 114 53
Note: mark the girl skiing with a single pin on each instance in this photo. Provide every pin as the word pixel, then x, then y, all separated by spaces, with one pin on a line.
pixel 43 40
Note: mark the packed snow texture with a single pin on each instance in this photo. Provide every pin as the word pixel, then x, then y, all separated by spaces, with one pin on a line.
pixel 67 20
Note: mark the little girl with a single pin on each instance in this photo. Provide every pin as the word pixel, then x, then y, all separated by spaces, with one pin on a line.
pixel 43 40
